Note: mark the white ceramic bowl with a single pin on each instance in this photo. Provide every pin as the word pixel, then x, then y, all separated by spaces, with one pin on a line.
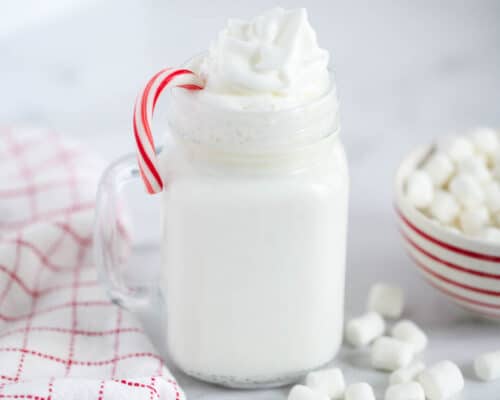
pixel 465 269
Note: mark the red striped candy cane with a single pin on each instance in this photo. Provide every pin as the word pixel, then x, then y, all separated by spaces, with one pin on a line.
pixel 143 114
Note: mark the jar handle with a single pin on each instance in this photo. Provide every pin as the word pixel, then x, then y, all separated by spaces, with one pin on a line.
pixel 112 240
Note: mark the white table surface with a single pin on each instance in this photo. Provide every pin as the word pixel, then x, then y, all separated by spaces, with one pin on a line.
pixel 406 72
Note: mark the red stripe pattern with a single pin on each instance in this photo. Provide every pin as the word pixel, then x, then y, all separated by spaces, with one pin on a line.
pixel 143 114
pixel 60 337
pixel 448 246
pixel 469 277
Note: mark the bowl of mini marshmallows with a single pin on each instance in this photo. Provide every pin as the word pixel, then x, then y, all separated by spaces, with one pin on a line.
pixel 448 206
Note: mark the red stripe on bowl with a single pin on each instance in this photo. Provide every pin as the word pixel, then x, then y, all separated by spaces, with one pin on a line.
pixel 459 250
pixel 462 303
pixel 463 299
pixel 448 263
pixel 443 278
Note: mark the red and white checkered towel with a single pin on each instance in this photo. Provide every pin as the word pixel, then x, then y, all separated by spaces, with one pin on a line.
pixel 60 337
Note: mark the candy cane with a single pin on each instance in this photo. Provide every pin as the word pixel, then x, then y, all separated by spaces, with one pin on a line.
pixel 143 114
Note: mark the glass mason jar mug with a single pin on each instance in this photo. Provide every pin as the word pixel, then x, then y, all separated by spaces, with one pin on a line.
pixel 254 218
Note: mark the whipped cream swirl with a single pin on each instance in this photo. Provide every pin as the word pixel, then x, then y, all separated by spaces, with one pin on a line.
pixel 271 62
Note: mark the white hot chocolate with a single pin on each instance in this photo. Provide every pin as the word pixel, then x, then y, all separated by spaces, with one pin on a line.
pixel 255 208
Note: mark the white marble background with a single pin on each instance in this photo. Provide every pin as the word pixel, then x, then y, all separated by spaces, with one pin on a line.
pixel 407 71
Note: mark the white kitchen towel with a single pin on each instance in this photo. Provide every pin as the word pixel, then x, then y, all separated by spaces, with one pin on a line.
pixel 60 337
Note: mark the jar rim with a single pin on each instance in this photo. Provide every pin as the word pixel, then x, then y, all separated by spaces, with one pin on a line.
pixel 331 91
pixel 251 131
pixel 291 159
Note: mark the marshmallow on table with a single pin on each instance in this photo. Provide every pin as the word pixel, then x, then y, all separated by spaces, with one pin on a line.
pixel 442 381
pixel 486 141
pixel 405 391
pixel 359 391
pixel 407 374
pixel 472 221
pixel 475 166
pixel 419 189
pixel 487 366
pixel 390 354
pixel 387 300
pixel 328 381
pixel 409 332
pixel 301 392
pixel 456 147
pixel 467 190
pixel 440 168
pixel 444 207
pixel 492 196
pixel 363 330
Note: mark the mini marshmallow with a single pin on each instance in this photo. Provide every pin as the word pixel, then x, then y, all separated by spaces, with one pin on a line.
pixel 407 374
pixel 359 391
pixel 440 168
pixel 487 366
pixel 457 147
pixel 442 381
pixel 490 234
pixel 467 190
pixel 496 170
pixel 328 381
pixel 363 330
pixel 452 229
pixel 492 196
pixel 485 141
pixel 301 392
pixel 409 332
pixel 475 166
pixel 419 189
pixel 390 354
pixel 444 207
pixel 473 221
pixel 387 300
pixel 405 391
pixel 496 219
